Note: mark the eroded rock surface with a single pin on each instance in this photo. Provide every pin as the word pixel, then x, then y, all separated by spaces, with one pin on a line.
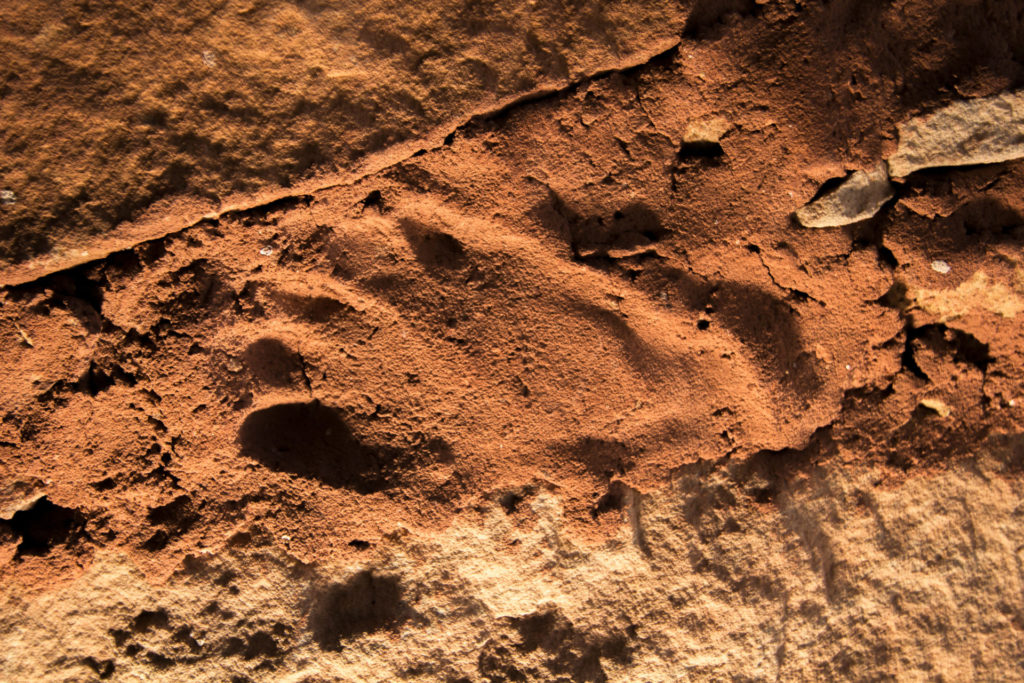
pixel 554 393
pixel 110 110
pixel 986 130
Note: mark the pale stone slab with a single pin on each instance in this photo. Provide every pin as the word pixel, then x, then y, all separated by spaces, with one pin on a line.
pixel 857 199
pixel 986 130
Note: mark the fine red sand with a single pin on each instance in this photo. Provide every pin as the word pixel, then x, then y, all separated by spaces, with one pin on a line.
pixel 556 294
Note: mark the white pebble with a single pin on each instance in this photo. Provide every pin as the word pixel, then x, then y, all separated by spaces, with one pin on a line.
pixel 266 251
pixel 940 267
pixel 7 197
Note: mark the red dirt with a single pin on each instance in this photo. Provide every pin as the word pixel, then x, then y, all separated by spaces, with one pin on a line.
pixel 557 295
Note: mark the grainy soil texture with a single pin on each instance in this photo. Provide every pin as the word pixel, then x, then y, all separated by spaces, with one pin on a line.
pixel 544 340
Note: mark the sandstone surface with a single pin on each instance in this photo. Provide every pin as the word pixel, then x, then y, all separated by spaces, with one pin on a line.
pixel 474 341
pixel 986 130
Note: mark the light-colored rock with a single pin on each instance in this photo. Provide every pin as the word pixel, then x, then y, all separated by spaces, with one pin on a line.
pixel 706 131
pixel 692 601
pixel 977 293
pixel 857 199
pixel 936 406
pixel 986 130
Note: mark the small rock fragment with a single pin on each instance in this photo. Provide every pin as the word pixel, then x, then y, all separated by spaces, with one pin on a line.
pixel 936 406
pixel 977 293
pixel 24 335
pixel 7 197
pixel 858 198
pixel 702 138
pixel 940 266
pixel 706 131
pixel 986 130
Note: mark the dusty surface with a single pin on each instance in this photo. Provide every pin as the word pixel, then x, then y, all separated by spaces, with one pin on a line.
pixel 549 384
pixel 190 105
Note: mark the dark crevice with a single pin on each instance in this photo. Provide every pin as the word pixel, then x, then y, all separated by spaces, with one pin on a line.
pixel 700 151
pixel 964 347
pixel 365 603
pixel 45 525
pixel 907 360
pixel 373 200
pixel 274 205
pixel 541 94
pixel 886 257
pixel 96 380
pixel 708 16
pixel 313 440
pixel 612 501
pixel 895 297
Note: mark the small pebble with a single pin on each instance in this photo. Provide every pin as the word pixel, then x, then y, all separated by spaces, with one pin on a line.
pixel 209 58
pixel 940 267
pixel 936 406
pixel 266 251
pixel 858 197
pixel 7 197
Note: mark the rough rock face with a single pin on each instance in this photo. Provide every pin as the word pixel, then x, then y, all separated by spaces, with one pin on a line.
pixel 182 107
pixel 555 392
pixel 987 130
pixel 857 198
